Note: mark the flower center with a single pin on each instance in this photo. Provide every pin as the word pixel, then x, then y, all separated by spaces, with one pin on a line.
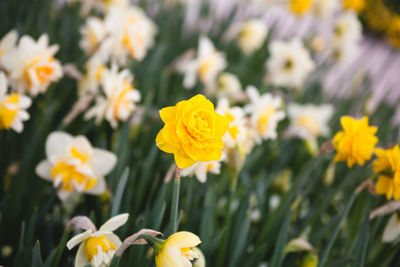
pixel 69 177
pixel 204 68
pixel 200 125
pixel 122 101
pixel 97 245
pixel 288 64
pixel 8 111
pixel 263 120
pixel 310 124
pixel 39 71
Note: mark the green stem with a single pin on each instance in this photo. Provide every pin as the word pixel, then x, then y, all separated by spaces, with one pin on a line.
pixel 173 223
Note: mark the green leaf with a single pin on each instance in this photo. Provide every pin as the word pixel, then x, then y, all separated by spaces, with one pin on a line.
pixel 362 244
pixel 37 256
pixel 278 255
pixel 119 193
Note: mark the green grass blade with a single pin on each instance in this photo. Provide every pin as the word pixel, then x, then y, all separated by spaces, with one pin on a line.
pixel 278 255
pixel 362 244
pixel 119 193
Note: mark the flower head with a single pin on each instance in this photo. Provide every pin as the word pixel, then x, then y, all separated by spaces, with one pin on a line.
pixel 228 85
pixel 97 248
pixel 193 131
pixel 309 121
pixel 356 142
pixel 120 97
pixel 252 35
pixel 324 8
pixel 299 7
pixel 347 28
pixel 74 165
pixel 265 113
pixel 32 65
pixel 206 66
pixel 176 250
pixel 356 5
pixel 290 63
pixel 93 33
pixel 387 166
pixel 12 107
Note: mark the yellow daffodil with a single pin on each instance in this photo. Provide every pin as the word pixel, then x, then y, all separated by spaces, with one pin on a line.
pixel 97 248
pixel 193 131
pixel 356 5
pixel 299 7
pixel 176 250
pixel 12 108
pixel 74 165
pixel 387 166
pixel 356 142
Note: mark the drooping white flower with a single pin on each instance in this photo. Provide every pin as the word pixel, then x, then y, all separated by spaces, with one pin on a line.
pixel 237 131
pixel 7 44
pixel 347 28
pixel 290 63
pixel 119 100
pixel 201 168
pixel 73 165
pixel 205 67
pixel 93 33
pixel 265 114
pixel 32 66
pixel 324 8
pixel 12 108
pixel 97 247
pixel 309 121
pixel 252 35
pixel 131 33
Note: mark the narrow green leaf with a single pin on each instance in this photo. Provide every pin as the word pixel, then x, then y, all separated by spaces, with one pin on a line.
pixel 37 256
pixel 325 253
pixel 278 255
pixel 362 244
pixel 119 193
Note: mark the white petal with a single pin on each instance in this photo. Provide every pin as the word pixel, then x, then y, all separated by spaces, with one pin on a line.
pixel 114 239
pixel 63 195
pixel 78 239
pixel 24 102
pixel 99 188
pixel 43 169
pixel 3 84
pixel 392 229
pixel 102 161
pixel 83 145
pixel 57 144
pixel 80 258
pixel 115 222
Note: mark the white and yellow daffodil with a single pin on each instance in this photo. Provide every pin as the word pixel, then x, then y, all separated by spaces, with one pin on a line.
pixel 90 82
pixel 32 66
pixel 73 165
pixel 252 35
pixel 12 108
pixel 120 97
pixel 265 114
pixel 97 248
pixel 347 28
pixel 176 250
pixel 93 33
pixel 309 121
pixel 228 85
pixel 7 43
pixel 290 63
pixel 201 168
pixel 206 66
pixel 236 133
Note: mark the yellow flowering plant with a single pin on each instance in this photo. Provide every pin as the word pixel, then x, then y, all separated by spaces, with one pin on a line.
pixel 356 142
pixel 193 131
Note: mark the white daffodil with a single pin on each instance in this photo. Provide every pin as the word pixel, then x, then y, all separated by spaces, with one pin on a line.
pixel 7 43
pixel 324 8
pixel 290 63
pixel 73 165
pixel 201 168
pixel 32 66
pixel 131 33
pixel 265 114
pixel 90 82
pixel 252 35
pixel 97 248
pixel 347 28
pixel 344 53
pixel 93 33
pixel 309 121
pixel 120 97
pixel 12 108
pixel 228 85
pixel 237 131
pixel 206 66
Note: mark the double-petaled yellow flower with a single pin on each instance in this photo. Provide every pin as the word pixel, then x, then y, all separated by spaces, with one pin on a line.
pixel 176 250
pixel 387 166
pixel 356 142
pixel 299 7
pixel 193 131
